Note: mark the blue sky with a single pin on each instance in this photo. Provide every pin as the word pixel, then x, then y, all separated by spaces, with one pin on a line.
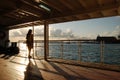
pixel 109 26
pixel 90 29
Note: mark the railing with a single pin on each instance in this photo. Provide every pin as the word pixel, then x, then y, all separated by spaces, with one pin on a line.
pixel 73 50
pixel 85 51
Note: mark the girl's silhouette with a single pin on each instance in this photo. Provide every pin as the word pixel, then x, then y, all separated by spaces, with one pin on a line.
pixel 29 42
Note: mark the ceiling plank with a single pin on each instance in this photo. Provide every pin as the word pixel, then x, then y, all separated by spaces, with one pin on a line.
pixel 82 2
pixel 32 4
pixel 101 8
pixel 30 13
pixel 31 9
pixel 67 4
pixel 54 6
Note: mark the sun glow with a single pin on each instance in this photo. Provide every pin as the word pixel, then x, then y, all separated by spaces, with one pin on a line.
pixel 23 46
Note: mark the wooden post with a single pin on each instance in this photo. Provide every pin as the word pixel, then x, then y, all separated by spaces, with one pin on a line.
pixel 46 40
pixel 33 42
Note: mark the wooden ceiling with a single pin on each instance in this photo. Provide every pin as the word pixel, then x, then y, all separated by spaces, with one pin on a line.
pixel 21 13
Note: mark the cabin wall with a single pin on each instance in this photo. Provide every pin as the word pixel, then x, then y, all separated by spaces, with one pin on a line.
pixel 4 38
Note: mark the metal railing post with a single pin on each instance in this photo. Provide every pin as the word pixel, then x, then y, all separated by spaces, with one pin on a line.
pixel 102 51
pixel 61 49
pixel 79 51
pixel 35 48
pixel 19 44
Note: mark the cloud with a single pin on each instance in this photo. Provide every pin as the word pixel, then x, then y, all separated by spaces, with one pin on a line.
pixel 39 31
pixel 55 32
pixel 23 31
pixel 117 28
pixel 58 33
pixel 68 33
pixel 115 32
pixel 15 33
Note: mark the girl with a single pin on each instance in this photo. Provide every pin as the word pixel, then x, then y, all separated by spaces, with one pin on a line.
pixel 29 42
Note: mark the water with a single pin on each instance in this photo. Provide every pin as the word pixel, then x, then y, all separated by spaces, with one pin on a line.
pixel 82 52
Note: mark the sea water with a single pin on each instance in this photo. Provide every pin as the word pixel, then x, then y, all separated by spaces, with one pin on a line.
pixel 86 52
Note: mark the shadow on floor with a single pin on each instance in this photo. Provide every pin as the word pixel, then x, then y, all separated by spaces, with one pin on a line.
pixel 6 53
pixel 58 71
pixel 65 74
pixel 32 72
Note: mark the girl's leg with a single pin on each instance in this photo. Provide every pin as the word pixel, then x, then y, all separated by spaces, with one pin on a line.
pixel 29 52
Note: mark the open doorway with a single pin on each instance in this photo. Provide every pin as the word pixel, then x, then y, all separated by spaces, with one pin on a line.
pixel 19 36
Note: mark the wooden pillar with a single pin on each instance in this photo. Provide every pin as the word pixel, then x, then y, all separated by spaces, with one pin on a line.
pixel 46 40
pixel 33 42
pixel 4 38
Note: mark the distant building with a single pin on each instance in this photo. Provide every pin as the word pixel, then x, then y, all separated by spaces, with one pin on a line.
pixel 106 39
pixel 118 36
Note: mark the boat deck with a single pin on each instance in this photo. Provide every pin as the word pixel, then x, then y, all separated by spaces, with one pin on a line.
pixel 21 68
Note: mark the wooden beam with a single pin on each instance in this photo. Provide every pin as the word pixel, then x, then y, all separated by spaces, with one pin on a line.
pixel 12 17
pixel 54 6
pixel 26 24
pixel 31 9
pixel 30 13
pixel 100 8
pixel 46 40
pixel 67 4
pixel 82 2
pixel 32 4
pixel 118 11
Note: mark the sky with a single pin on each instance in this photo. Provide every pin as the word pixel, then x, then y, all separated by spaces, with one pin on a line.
pixel 89 29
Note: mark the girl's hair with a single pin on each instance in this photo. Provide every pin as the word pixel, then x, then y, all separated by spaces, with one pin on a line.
pixel 30 31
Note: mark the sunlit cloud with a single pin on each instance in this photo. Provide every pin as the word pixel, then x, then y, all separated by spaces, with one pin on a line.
pixel 55 33
pixel 58 33
pixel 39 31
pixel 117 27
pixel 15 33
pixel 90 36
pixel 115 32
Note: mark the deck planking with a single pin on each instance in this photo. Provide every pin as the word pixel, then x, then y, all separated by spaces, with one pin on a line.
pixel 21 68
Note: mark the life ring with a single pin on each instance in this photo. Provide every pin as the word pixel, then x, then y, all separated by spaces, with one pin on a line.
pixel 2 35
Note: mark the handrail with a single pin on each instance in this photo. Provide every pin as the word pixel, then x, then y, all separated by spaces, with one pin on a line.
pixel 80 50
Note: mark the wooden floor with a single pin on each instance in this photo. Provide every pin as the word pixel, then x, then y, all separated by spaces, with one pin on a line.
pixel 22 68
